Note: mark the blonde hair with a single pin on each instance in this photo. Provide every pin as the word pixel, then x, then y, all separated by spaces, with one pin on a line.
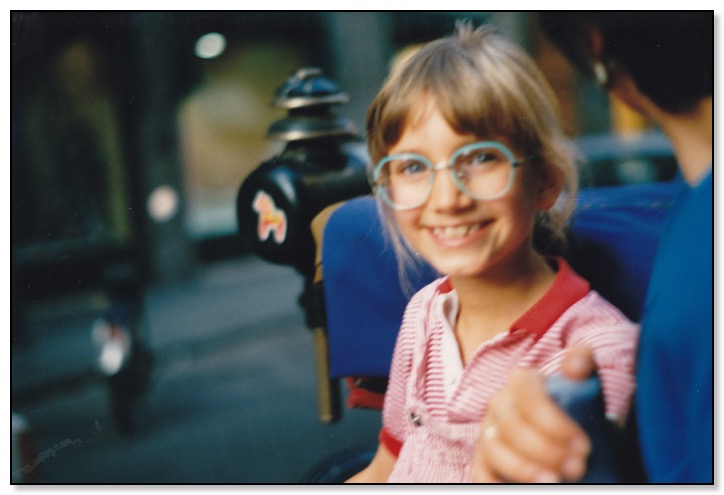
pixel 486 86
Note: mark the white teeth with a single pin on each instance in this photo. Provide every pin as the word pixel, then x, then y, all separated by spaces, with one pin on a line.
pixel 455 232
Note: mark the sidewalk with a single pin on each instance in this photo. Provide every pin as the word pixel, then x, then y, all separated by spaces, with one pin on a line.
pixel 233 396
pixel 59 354
pixel 211 307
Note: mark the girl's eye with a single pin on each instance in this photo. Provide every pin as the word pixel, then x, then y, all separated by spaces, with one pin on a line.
pixel 482 158
pixel 409 167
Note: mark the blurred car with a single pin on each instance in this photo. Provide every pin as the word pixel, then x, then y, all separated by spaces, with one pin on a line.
pixel 618 159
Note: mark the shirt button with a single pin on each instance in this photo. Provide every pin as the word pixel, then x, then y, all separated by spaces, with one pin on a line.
pixel 416 419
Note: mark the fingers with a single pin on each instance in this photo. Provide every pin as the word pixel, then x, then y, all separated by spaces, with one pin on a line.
pixel 528 438
pixel 532 431
pixel 502 463
pixel 481 472
pixel 546 433
pixel 527 404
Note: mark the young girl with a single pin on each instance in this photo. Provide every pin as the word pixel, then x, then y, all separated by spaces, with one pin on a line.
pixel 470 161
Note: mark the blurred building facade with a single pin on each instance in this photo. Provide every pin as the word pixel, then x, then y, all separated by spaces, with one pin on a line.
pixel 132 131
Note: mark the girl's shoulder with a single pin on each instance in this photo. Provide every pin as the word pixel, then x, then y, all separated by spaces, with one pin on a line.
pixel 599 324
pixel 419 308
pixel 594 307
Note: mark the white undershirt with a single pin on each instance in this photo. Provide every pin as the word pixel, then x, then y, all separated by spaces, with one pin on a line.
pixel 452 363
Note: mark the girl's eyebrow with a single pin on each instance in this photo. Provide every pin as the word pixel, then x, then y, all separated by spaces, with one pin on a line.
pixel 402 151
pixel 412 151
pixel 472 139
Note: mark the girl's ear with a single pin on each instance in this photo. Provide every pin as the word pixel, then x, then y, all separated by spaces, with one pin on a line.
pixel 549 187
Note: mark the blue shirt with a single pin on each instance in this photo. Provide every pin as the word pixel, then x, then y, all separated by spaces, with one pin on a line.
pixel 675 364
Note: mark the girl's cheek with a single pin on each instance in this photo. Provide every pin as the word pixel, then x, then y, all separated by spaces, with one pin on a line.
pixel 406 223
pixel 406 218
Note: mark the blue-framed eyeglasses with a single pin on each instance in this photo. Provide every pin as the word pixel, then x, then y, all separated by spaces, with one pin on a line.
pixel 484 171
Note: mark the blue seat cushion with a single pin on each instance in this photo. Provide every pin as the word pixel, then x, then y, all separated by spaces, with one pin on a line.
pixel 615 231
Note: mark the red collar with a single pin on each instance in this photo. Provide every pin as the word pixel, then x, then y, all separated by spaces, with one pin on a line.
pixel 568 288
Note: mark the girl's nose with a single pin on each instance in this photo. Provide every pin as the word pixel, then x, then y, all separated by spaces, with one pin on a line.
pixel 445 194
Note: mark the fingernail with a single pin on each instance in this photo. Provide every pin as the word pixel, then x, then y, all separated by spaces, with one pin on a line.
pixel 546 477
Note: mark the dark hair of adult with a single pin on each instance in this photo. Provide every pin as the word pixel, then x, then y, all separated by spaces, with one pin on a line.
pixel 668 54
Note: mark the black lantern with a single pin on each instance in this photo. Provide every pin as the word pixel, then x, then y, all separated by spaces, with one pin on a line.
pixel 322 164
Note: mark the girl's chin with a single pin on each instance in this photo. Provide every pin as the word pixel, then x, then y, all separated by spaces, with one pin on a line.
pixel 460 268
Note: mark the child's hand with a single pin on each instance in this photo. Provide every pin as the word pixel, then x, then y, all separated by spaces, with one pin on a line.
pixel 525 437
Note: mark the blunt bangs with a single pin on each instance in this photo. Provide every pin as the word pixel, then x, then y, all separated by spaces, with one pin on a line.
pixel 511 98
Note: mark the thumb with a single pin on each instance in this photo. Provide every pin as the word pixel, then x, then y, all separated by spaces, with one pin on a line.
pixel 578 362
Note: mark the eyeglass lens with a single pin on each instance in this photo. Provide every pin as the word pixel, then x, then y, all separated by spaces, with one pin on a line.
pixel 482 172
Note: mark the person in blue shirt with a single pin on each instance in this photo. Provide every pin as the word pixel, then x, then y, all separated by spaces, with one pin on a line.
pixel 661 65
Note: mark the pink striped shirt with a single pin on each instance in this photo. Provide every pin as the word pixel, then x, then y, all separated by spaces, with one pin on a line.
pixel 432 426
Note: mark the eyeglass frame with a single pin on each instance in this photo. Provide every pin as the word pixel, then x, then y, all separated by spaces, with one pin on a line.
pixel 514 163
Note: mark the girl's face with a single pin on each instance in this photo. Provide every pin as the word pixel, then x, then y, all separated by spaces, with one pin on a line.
pixel 457 235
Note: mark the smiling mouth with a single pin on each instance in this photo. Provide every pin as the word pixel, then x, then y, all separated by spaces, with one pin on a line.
pixel 458 232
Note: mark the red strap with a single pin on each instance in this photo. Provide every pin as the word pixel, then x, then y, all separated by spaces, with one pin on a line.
pixel 362 398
